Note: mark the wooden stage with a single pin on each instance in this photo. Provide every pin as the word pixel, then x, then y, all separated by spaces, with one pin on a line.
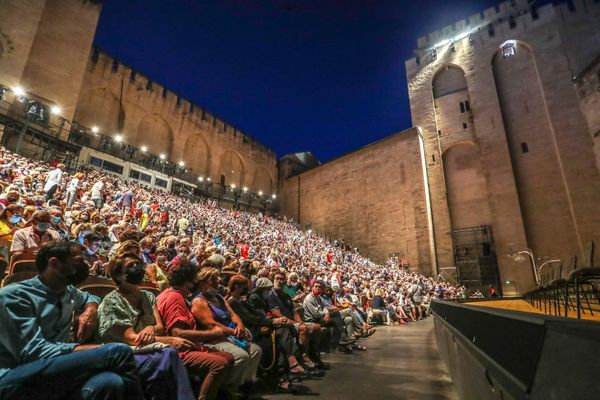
pixel 522 305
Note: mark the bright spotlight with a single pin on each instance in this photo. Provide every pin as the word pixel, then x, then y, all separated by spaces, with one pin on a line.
pixel 245 189
pixel 55 110
pixel 181 163
pixel 19 91
pixel 233 185
pixel 274 196
pixel 144 149
pixel 260 192
pixel 162 156
pixel 95 129
pixel 200 179
pixel 118 138
pixel 208 179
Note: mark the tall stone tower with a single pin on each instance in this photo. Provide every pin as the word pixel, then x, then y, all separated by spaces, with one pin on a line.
pixel 44 48
pixel 510 159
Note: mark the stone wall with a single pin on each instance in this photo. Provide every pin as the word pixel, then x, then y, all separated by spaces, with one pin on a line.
pixel 373 198
pixel 524 162
pixel 119 100
pixel 46 45
pixel 588 88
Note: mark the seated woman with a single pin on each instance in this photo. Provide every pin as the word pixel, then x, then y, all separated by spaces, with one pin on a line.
pixel 157 271
pixel 10 221
pixel 174 307
pixel 378 303
pixel 261 328
pixel 211 310
pixel 129 315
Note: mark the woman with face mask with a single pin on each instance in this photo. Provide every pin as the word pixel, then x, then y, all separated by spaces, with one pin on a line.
pixel 262 327
pixel 157 271
pixel 211 310
pixel 129 315
pixel 11 220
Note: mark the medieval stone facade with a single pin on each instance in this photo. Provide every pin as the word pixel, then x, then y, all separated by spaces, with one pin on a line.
pixel 46 50
pixel 507 146
pixel 118 99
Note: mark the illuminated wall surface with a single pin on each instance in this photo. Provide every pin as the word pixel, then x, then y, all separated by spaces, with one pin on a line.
pixel 504 105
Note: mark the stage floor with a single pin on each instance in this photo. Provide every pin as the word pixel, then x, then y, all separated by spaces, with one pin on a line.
pixel 401 362
pixel 522 305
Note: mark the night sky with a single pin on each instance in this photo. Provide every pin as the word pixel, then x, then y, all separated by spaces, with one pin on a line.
pixel 325 76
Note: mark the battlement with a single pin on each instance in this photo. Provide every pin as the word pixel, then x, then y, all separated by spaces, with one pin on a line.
pixel 500 22
pixel 174 104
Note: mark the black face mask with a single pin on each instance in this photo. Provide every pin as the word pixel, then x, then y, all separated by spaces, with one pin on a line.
pixel 171 245
pixel 134 274
pixel 244 292
pixel 194 287
pixel 81 273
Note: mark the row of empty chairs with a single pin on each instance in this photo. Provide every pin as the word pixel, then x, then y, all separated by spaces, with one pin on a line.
pixel 571 291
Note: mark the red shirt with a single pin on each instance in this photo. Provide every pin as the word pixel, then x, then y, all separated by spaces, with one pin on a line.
pixel 173 308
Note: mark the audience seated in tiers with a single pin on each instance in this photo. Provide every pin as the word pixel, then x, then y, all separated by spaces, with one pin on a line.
pixel 233 288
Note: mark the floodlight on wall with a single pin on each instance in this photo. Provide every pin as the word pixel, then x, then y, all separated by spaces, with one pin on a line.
pixel 208 179
pixel 245 189
pixel 162 156
pixel 95 129
pixel 181 163
pixel 34 111
pixel 233 185
pixel 19 91
pixel 55 110
pixel 200 179
pixel 509 48
pixel 260 193
pixel 144 149
pixel 118 138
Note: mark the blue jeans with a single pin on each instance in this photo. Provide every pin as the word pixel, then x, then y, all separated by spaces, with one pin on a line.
pixel 164 376
pixel 104 372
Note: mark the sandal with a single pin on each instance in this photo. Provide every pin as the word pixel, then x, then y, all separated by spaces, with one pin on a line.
pixel 297 376
pixel 370 332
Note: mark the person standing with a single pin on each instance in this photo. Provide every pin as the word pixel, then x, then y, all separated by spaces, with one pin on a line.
pixel 53 179
pixel 73 187
pixel 98 193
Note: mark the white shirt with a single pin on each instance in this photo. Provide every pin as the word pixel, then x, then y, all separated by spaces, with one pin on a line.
pixel 54 178
pixel 73 185
pixel 98 186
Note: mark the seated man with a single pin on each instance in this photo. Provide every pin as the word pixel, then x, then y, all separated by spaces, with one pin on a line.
pixel 280 304
pixel 35 319
pixel 315 311
pixel 28 241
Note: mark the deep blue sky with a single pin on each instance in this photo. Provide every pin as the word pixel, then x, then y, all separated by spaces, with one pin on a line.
pixel 325 75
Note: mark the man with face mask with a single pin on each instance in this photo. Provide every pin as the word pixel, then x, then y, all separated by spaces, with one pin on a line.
pixel 30 240
pixel 35 356
pixel 280 304
pixel 315 311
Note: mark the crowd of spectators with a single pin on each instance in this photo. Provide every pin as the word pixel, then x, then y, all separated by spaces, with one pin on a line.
pixel 205 298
